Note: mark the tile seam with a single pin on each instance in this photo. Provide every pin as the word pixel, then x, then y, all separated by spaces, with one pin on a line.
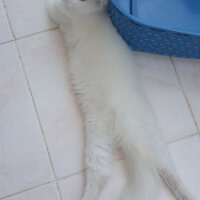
pixel 37 33
pixel 41 185
pixel 183 138
pixel 57 180
pixel 6 42
pixel 33 101
pixel 29 36
pixel 185 95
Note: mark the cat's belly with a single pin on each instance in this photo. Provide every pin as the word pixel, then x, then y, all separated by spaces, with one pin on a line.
pixel 105 89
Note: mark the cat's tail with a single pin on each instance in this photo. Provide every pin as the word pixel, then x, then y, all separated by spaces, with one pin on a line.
pixel 142 174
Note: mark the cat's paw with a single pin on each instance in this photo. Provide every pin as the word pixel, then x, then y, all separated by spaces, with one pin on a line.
pixel 51 8
pixel 54 8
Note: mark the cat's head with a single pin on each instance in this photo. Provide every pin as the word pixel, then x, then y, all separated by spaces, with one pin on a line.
pixel 83 8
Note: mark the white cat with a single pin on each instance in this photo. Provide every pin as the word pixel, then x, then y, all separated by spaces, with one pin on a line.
pixel 116 113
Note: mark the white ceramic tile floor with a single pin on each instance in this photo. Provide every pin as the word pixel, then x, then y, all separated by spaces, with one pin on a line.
pixel 45 60
pixel 23 156
pixel 28 16
pixel 165 95
pixel 38 102
pixel 5 33
pixel 189 72
pixel 47 192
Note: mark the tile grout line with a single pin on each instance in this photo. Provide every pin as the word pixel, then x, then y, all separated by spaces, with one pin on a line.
pixel 74 174
pixel 38 118
pixel 183 138
pixel 56 180
pixel 43 184
pixel 185 96
pixel 2 43
pixel 71 175
pixel 6 10
pixel 37 33
pixel 33 101
pixel 79 172
pixel 26 190
pixel 30 35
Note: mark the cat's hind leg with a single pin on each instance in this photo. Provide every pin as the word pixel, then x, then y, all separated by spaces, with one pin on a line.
pixel 167 171
pixel 99 152
pixel 142 175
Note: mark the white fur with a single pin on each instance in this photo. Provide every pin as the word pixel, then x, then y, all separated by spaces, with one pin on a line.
pixel 116 113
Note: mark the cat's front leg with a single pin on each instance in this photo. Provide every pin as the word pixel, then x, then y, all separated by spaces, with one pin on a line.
pixel 57 11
